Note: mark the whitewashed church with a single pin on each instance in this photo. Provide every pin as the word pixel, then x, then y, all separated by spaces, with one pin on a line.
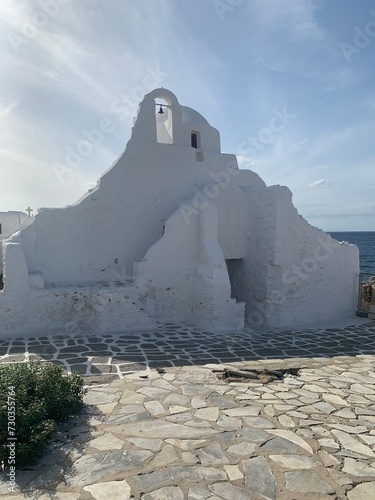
pixel 175 232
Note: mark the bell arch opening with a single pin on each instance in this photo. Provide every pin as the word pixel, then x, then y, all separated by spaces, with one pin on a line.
pixel 164 121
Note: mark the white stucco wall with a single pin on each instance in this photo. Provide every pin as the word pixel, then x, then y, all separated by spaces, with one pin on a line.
pixel 184 276
pixel 300 274
pixel 13 221
pixel 27 307
pixel 99 239
pixel 10 222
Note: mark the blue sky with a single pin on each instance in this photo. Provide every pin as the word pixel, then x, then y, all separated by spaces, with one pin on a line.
pixel 66 66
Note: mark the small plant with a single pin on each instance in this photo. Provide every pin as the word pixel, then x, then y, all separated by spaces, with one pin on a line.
pixel 33 397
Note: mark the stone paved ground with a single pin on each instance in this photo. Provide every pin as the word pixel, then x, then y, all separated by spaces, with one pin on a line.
pixel 184 433
pixel 112 355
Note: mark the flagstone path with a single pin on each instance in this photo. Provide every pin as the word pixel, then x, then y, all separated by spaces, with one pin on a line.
pixel 181 432
pixel 112 355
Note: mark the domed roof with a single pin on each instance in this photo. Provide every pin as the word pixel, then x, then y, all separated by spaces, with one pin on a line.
pixel 189 115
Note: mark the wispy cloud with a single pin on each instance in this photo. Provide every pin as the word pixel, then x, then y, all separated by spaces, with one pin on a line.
pixel 66 76
pixel 294 17
pixel 318 184
pixel 292 24
pixel 6 108
pixel 297 146
pixel 324 166
pixel 266 54
pixel 341 78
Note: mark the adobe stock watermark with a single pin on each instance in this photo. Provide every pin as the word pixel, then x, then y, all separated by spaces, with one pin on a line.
pixel 202 197
pixel 38 20
pixel 11 441
pixel 124 107
pixel 362 39
pixel 294 278
pixel 266 135
pixel 224 7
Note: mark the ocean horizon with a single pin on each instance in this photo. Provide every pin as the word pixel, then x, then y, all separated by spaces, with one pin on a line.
pixel 365 241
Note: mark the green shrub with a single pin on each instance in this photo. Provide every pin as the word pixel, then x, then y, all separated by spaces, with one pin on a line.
pixel 39 394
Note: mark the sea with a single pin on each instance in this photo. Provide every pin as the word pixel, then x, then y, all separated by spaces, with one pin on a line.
pixel 365 241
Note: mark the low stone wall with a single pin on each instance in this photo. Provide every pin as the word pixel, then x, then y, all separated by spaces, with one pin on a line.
pixel 368 297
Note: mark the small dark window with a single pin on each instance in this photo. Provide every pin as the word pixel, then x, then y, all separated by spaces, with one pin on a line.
pixel 194 140
pixel 0 229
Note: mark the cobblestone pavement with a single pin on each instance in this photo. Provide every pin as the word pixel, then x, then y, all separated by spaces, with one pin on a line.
pixel 182 432
pixel 174 345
